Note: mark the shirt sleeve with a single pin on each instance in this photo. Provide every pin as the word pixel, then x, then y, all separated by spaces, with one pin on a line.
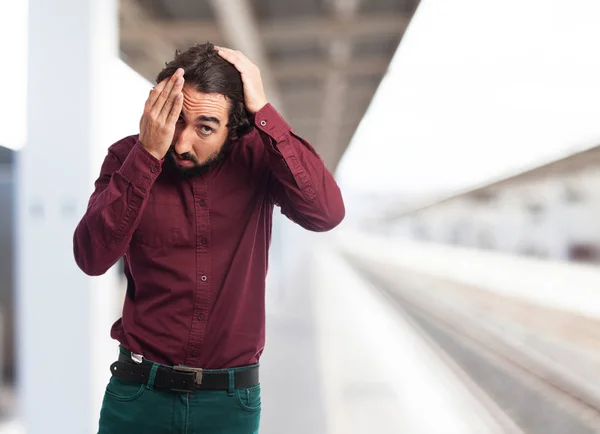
pixel 121 192
pixel 300 183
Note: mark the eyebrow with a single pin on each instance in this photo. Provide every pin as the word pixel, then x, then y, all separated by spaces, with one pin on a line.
pixel 203 118
pixel 212 119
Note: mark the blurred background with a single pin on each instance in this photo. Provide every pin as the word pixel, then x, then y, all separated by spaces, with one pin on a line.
pixel 462 292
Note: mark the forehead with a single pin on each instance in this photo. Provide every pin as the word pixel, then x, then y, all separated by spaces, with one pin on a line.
pixel 197 103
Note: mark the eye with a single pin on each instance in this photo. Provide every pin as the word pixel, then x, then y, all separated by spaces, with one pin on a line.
pixel 205 130
pixel 180 119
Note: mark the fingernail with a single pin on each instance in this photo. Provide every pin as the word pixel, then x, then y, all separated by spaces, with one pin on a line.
pixel 179 80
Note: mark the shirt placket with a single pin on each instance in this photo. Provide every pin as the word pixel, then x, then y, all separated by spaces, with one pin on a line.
pixel 202 291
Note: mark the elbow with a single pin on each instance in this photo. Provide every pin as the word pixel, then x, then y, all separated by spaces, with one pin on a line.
pixel 88 264
pixel 91 271
pixel 335 217
pixel 86 260
pixel 336 211
pixel 331 218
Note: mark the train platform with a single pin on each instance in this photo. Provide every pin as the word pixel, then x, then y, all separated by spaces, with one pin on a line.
pixel 375 345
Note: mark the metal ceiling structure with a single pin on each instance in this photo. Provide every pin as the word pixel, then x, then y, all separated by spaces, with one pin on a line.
pixel 559 169
pixel 321 60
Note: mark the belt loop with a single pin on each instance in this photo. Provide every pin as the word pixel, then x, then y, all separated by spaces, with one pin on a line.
pixel 231 388
pixel 152 376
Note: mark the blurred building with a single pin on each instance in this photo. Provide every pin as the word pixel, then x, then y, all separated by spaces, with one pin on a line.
pixel 6 261
pixel 547 212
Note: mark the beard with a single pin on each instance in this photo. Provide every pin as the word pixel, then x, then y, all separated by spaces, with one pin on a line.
pixel 198 168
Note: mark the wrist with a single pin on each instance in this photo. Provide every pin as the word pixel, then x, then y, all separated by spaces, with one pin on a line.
pixel 152 151
pixel 158 155
pixel 258 107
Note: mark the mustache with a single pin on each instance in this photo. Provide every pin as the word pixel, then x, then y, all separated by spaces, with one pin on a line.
pixel 185 156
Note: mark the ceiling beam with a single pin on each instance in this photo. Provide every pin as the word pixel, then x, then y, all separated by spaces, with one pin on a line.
pixel 369 66
pixel 239 27
pixel 348 116
pixel 362 91
pixel 157 49
pixel 381 26
pixel 280 33
pixel 313 124
pixel 354 106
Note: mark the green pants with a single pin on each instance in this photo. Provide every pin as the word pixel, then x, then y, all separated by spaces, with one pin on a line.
pixel 132 408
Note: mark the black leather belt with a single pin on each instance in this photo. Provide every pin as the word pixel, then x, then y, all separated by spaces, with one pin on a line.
pixel 181 379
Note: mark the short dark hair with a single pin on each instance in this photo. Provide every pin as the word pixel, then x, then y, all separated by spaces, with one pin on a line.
pixel 210 73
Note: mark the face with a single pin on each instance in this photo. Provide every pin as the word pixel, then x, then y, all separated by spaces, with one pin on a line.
pixel 201 134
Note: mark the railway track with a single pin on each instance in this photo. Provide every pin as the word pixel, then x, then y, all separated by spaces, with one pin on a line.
pixel 524 391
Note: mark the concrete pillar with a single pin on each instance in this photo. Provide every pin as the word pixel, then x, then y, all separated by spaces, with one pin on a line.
pixel 63 316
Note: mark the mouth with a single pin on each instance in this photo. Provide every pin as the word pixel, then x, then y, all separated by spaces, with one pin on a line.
pixel 183 162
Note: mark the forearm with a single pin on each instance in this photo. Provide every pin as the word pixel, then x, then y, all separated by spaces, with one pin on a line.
pixel 305 189
pixel 105 231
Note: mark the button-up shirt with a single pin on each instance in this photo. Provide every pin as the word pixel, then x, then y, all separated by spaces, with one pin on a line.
pixel 196 249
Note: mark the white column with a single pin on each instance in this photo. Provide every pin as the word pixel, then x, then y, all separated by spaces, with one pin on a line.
pixel 63 316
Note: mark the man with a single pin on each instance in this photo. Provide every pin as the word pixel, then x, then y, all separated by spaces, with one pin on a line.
pixel 188 203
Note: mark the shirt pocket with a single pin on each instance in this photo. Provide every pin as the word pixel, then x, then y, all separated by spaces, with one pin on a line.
pixel 163 225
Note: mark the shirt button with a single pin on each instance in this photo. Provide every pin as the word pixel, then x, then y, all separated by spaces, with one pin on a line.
pixel 200 317
pixel 263 123
pixel 204 278
pixel 202 202
pixel 153 169
pixel 204 241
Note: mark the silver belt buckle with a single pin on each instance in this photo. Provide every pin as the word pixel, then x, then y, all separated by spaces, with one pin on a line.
pixel 137 358
pixel 196 371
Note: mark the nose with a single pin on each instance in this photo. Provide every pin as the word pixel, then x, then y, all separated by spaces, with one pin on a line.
pixel 183 142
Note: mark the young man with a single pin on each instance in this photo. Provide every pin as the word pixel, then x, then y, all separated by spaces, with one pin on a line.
pixel 188 203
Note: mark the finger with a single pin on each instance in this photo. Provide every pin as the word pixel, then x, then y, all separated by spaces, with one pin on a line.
pixel 162 97
pixel 239 60
pixel 175 109
pixel 231 56
pixel 175 91
pixel 154 92
pixel 229 52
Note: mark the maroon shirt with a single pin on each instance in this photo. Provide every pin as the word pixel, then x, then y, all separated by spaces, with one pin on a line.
pixel 196 250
